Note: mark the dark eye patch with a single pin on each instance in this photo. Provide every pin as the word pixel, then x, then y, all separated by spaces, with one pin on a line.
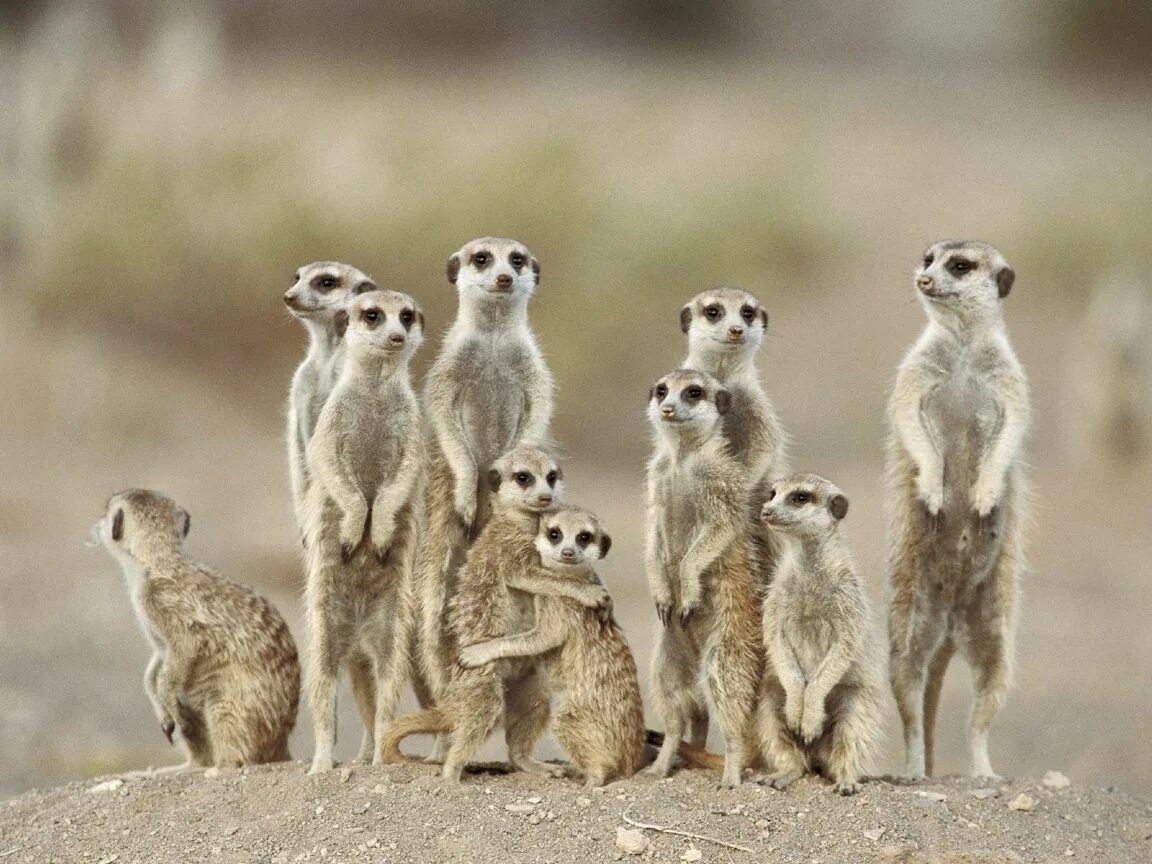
pixel 583 538
pixel 800 498
pixel 523 479
pixel 661 391
pixel 693 393
pixel 407 317
pixel 555 535
pixel 517 259
pixel 326 282
pixel 748 314
pixel 928 259
pixel 960 266
pixel 118 525
pixel 552 477
pixel 481 260
pixel 713 312
pixel 372 316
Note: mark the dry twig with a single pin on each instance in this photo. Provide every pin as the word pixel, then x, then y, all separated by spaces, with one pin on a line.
pixel 679 833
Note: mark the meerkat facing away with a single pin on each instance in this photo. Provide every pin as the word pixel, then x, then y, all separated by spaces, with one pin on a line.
pixel 319 290
pixel 958 413
pixel 224 669
pixel 362 511
pixel 818 707
pixel 708 656
pixel 488 391
pixel 600 719
pixel 494 599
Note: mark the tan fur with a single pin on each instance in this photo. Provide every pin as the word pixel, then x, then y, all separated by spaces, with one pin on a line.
pixel 958 414
pixel 319 290
pixel 488 391
pixel 224 669
pixel 491 601
pixel 818 702
pixel 362 522
pixel 708 656
pixel 600 720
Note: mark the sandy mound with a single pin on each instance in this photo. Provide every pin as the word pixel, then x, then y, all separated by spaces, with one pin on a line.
pixel 403 813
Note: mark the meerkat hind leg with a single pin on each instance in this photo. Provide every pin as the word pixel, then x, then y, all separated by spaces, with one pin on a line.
pixel 933 687
pixel 361 676
pixel 325 654
pixel 990 675
pixel 527 712
pixel 844 752
pixel 909 675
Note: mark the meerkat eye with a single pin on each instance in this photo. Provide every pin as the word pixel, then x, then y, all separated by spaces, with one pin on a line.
pixel 661 391
pixel 928 259
pixel 555 535
pixel 480 259
pixel 371 315
pixel 748 314
pixel 516 259
pixel 694 393
pixel 523 478
pixel 584 538
pixel 771 493
pixel 327 283
pixel 295 278
pixel 960 265
pixel 552 478
pixel 800 498
pixel 712 313
pixel 407 317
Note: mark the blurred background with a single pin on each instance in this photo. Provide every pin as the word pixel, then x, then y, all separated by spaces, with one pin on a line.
pixel 166 166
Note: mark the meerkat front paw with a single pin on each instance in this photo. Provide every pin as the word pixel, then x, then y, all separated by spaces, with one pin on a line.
pixel 985 497
pixel 931 494
pixel 473 656
pixel 664 613
pixel 351 533
pixel 381 533
pixel 794 714
pixel 812 723
pixel 168 726
pixel 465 505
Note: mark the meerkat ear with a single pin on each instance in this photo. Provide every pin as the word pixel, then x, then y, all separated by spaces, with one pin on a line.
pixel 1004 280
pixel 723 402
pixel 118 525
pixel 493 479
pixel 340 323
pixel 605 544
pixel 453 268
pixel 536 270
pixel 764 317
pixel 838 504
pixel 686 318
pixel 364 287
pixel 559 473
pixel 420 316
pixel 651 393
pixel 187 522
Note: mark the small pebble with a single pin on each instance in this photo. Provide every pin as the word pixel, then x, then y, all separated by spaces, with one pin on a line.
pixel 520 808
pixel 1056 780
pixel 107 786
pixel 1023 802
pixel 874 834
pixel 632 841
pixel 986 792
pixel 692 854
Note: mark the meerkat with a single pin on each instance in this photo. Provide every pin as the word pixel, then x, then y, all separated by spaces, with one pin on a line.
pixel 959 413
pixel 708 655
pixel 224 669
pixel 319 291
pixel 818 700
pixel 494 599
pixel 488 390
pixel 600 719
pixel 362 519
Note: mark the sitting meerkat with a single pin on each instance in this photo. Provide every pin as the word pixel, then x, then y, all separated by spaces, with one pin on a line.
pixel 709 654
pixel 224 669
pixel 361 523
pixel 494 598
pixel 818 701
pixel 600 719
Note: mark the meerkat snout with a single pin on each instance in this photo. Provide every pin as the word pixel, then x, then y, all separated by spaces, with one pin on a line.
pixel 504 281
pixel 924 282
pixel 736 333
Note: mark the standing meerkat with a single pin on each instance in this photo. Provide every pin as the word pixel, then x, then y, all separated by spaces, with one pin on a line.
pixel 494 599
pixel 488 391
pixel 600 720
pixel 958 413
pixel 362 514
pixel 818 701
pixel 708 656
pixel 319 291
pixel 224 669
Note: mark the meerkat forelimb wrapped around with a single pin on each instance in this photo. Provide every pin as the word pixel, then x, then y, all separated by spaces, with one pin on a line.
pixel 488 391
pixel 600 719
pixel 319 291
pixel 493 599
pixel 818 702
pixel 959 413
pixel 709 655
pixel 224 670
pixel 363 508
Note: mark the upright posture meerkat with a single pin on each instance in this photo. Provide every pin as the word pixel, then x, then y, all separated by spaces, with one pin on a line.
pixel 493 599
pixel 708 655
pixel 959 413
pixel 365 460
pixel 224 669
pixel 818 708
pixel 488 391
pixel 600 721
pixel 319 290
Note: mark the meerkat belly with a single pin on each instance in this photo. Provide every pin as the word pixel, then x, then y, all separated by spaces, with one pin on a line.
pixel 372 466
pixel 494 400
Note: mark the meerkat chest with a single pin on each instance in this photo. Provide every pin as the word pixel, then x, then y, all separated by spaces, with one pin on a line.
pixel 494 380
pixel 740 422
pixel 963 412
pixel 809 626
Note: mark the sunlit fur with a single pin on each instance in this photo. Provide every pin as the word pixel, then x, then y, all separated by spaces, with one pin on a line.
pixel 958 415
pixel 224 671
pixel 361 522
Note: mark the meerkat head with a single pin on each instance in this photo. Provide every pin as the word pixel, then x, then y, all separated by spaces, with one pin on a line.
pixel 381 321
pixel 570 537
pixel 321 289
pixel 495 269
pixel 687 401
pixel 963 277
pixel 804 504
pixel 724 319
pixel 140 524
pixel 525 479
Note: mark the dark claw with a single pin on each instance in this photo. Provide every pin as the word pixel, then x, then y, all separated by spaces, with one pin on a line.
pixel 383 557
pixel 168 727
pixel 686 616
pixel 346 550
pixel 664 612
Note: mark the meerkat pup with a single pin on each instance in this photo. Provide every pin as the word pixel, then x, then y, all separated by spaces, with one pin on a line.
pixel 488 390
pixel 818 699
pixel 493 599
pixel 958 415
pixel 600 720
pixel 319 291
pixel 708 655
pixel 224 669
pixel 362 511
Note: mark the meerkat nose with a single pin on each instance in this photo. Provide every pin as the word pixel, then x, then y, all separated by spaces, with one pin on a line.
pixel 504 281
pixel 924 281
pixel 668 411
pixel 289 299
pixel 735 332
pixel 396 338
pixel 568 553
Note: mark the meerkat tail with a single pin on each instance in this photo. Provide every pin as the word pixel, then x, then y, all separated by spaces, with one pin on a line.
pixel 429 722
pixel 691 755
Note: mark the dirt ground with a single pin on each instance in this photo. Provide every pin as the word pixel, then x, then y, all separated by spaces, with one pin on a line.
pixel 278 814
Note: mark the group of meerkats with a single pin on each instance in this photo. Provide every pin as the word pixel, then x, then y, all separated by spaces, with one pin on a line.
pixel 440 552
